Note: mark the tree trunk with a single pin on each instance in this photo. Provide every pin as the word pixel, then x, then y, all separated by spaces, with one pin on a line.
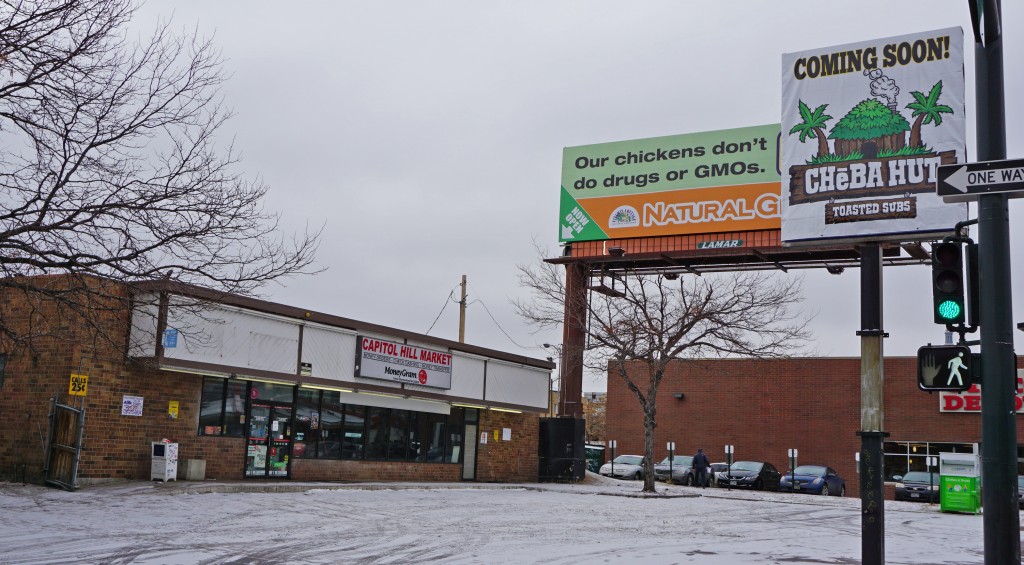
pixel 649 446
pixel 822 142
pixel 915 132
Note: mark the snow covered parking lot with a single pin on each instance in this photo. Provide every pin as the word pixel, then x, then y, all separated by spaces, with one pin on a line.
pixel 599 521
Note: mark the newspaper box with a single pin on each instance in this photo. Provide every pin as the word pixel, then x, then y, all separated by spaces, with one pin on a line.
pixel 165 461
pixel 959 482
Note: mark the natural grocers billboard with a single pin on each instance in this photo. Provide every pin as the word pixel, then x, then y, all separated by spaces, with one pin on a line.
pixel 865 127
pixel 719 181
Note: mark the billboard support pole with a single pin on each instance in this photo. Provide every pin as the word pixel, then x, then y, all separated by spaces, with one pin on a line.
pixel 1001 518
pixel 570 393
pixel 872 500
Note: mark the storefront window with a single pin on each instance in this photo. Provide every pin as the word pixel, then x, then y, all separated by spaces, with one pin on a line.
pixel 376 433
pixel 234 408
pixel 222 407
pixel 269 392
pixel 902 457
pixel 355 430
pixel 307 423
pixel 398 438
pixel 453 449
pixel 332 435
pixel 436 437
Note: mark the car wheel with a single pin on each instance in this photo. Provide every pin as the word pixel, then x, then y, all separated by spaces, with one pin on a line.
pixel 758 485
pixel 842 490
pixel 638 476
pixel 689 480
pixel 824 489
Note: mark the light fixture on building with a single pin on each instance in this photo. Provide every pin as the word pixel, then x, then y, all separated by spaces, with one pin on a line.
pixel 679 395
pixel 616 251
pixel 834 270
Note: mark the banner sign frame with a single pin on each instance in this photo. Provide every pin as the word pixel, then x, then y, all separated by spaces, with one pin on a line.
pixel 402 363
pixel 698 183
pixel 865 127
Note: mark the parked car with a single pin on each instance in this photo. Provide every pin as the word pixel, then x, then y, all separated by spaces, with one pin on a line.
pixel 1020 491
pixel 681 471
pixel 758 475
pixel 815 479
pixel 716 468
pixel 915 485
pixel 626 467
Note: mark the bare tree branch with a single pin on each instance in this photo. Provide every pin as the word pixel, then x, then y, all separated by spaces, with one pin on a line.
pixel 661 320
pixel 111 165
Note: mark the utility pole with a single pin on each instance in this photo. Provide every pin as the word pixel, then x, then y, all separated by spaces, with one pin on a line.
pixel 462 312
pixel 1001 518
pixel 872 416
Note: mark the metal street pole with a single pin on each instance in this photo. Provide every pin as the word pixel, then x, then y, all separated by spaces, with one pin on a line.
pixel 1001 518
pixel 872 500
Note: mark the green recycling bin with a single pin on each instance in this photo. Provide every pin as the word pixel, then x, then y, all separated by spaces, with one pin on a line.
pixel 959 483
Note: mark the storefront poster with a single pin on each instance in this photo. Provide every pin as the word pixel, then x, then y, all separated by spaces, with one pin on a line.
pixel 131 406
pixel 710 182
pixel 865 127
pixel 403 363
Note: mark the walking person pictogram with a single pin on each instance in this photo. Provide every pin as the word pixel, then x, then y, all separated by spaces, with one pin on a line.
pixel 954 365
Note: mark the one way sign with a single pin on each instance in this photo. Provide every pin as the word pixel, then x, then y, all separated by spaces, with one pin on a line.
pixel 966 181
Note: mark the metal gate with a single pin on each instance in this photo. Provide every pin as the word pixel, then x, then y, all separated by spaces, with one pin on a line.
pixel 67 424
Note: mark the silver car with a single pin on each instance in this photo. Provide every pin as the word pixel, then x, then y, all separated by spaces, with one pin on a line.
pixel 625 467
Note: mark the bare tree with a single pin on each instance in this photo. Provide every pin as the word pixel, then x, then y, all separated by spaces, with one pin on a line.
pixel 659 319
pixel 110 165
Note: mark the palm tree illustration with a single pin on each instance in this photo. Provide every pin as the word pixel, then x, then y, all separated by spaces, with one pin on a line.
pixel 811 126
pixel 926 110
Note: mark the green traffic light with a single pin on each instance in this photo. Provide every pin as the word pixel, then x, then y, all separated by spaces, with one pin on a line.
pixel 949 310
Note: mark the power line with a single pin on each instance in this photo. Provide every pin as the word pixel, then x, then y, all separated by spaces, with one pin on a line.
pixel 488 310
pixel 446 301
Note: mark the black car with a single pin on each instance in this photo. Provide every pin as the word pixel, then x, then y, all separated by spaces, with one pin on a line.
pixel 918 486
pixel 1020 491
pixel 758 475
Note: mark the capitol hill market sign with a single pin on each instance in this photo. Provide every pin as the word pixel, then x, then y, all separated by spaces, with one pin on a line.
pixel 403 363
pixel 698 183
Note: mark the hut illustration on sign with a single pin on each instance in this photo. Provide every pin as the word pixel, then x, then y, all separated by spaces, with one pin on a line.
pixel 875 152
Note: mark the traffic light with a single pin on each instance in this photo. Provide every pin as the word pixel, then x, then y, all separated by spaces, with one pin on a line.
pixel 948 283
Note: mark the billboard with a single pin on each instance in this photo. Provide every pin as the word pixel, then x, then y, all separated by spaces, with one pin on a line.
pixel 711 182
pixel 403 363
pixel 865 127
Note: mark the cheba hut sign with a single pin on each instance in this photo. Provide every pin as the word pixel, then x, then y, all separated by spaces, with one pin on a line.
pixel 865 127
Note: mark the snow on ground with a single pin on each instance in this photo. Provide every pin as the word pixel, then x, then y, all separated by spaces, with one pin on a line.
pixel 381 523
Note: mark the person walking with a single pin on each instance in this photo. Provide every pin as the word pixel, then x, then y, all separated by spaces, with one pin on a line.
pixel 700 467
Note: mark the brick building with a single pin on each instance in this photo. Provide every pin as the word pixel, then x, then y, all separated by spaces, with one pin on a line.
pixel 253 389
pixel 766 407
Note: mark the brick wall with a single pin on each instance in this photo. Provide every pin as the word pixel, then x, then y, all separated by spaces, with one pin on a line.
pixel 764 408
pixel 516 460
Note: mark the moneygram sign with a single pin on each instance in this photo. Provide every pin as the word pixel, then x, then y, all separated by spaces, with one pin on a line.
pixel 712 182
pixel 403 363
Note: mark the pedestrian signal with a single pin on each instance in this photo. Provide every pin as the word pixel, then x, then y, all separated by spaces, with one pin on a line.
pixel 944 367
pixel 948 283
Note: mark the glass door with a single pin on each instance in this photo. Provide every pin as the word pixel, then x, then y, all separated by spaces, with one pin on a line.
pixel 269 440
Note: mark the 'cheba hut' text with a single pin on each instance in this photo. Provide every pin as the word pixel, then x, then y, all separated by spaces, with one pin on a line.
pixel 891 177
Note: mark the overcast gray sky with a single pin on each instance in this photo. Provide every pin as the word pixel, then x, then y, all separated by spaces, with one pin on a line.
pixel 427 136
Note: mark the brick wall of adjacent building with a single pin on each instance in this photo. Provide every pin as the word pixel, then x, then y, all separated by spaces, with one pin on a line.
pixel 515 460
pixel 766 407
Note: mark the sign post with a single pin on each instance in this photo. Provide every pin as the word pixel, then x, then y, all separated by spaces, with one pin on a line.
pixel 792 468
pixel 728 460
pixel 671 459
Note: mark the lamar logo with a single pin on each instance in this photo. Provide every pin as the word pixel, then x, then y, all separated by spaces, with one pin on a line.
pixel 724 244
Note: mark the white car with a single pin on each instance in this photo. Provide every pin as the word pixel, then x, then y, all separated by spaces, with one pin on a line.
pixel 626 467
